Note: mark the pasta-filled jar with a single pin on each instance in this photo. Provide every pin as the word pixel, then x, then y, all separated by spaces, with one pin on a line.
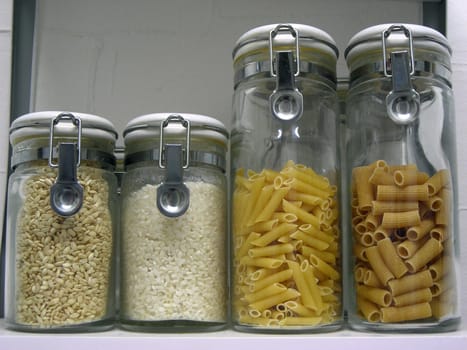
pixel 285 235
pixel 61 223
pixel 174 224
pixel 401 164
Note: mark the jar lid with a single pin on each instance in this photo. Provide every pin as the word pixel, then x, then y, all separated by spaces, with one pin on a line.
pixel 146 137
pixel 149 125
pixel 259 38
pixel 370 40
pixel 37 124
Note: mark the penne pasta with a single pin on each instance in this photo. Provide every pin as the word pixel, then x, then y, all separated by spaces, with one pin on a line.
pixel 309 240
pixel 274 234
pixel 284 217
pixel 302 286
pixel 324 267
pixel 300 321
pixel 306 177
pixel 271 279
pixel 303 215
pixel 328 257
pixel 264 226
pixel 310 279
pixel 263 304
pixel 314 232
pixel 263 199
pixel 280 219
pixel 269 263
pixel 271 250
pixel 271 206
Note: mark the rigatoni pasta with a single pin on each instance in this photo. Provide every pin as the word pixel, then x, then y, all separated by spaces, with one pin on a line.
pixel 401 224
pixel 286 251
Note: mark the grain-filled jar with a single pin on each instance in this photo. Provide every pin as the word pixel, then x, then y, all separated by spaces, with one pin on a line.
pixel 61 223
pixel 174 224
pixel 401 164
pixel 286 274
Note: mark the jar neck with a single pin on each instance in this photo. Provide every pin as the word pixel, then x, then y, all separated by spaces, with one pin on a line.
pixel 313 65
pixel 93 153
pixel 201 153
pixel 196 159
pixel 427 64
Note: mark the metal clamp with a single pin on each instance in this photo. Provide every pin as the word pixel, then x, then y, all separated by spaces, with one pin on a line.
pixel 386 33
pixel 402 102
pixel 174 118
pixel 66 194
pixel 286 101
pixel 173 197
pixel 76 121
pixel 281 28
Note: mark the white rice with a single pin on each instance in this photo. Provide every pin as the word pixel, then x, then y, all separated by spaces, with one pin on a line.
pixel 174 268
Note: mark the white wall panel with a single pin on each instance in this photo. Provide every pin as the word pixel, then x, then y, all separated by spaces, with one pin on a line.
pixel 124 58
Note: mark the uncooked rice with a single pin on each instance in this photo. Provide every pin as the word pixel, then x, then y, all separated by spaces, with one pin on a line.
pixel 63 265
pixel 174 268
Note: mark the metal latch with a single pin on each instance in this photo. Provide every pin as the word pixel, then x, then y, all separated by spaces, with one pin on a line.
pixel 66 194
pixel 286 101
pixel 402 102
pixel 173 197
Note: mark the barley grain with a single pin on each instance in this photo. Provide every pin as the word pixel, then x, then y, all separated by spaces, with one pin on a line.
pixel 53 254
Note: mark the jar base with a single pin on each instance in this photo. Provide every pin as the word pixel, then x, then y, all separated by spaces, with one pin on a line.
pixel 450 325
pixel 97 326
pixel 289 329
pixel 171 326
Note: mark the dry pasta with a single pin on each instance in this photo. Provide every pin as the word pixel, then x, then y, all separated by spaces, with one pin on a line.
pixel 287 263
pixel 401 225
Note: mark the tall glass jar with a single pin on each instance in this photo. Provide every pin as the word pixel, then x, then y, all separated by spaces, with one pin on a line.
pixel 285 235
pixel 61 223
pixel 401 163
pixel 174 222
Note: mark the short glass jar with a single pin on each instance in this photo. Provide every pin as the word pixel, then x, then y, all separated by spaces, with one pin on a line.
pixel 286 261
pixel 402 173
pixel 61 220
pixel 174 224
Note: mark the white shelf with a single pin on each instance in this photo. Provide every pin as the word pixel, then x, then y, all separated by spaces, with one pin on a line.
pixel 230 340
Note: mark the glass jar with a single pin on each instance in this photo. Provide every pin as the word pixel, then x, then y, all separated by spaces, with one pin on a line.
pixel 174 222
pixel 286 266
pixel 401 163
pixel 61 223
